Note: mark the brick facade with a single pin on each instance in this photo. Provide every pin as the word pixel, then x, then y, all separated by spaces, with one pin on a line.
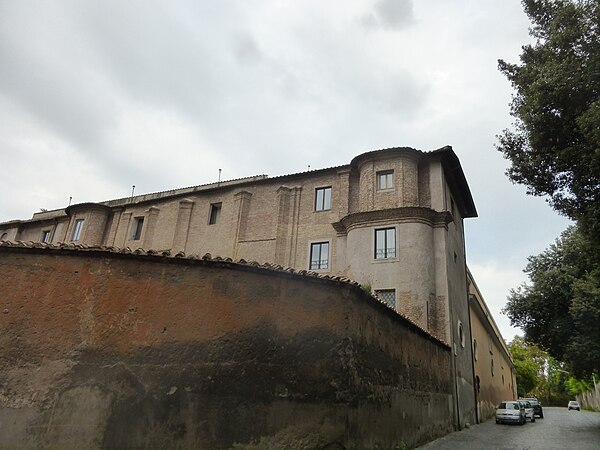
pixel 278 220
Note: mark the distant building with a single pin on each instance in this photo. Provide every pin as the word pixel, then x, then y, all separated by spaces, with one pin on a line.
pixel 392 220
pixel 495 377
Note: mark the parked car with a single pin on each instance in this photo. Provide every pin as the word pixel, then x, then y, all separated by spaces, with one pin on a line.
pixel 510 411
pixel 528 409
pixel 537 406
pixel 574 405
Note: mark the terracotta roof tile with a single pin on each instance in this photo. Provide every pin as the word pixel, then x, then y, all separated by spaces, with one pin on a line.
pixel 207 258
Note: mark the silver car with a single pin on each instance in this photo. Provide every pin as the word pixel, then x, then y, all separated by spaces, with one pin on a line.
pixel 529 413
pixel 510 411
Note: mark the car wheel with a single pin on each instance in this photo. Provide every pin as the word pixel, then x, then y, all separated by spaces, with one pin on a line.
pixel 533 419
pixel 541 416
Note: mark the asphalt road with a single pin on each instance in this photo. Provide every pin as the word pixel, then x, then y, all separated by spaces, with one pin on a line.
pixel 559 429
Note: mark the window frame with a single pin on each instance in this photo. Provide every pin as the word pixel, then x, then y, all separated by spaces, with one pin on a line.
pixel 214 213
pixel 46 234
pixel 389 180
pixel 378 293
pixel 77 230
pixel 138 228
pixel 310 255
pixel 386 255
pixel 326 199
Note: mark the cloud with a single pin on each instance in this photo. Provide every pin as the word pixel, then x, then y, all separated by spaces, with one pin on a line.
pixel 246 50
pixel 494 282
pixel 98 95
pixel 44 70
pixel 390 14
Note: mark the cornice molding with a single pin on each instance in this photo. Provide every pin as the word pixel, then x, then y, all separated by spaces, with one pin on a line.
pixel 428 216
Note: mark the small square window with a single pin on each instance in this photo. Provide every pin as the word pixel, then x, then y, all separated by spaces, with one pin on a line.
pixel 323 198
pixel 387 296
pixel 385 180
pixel 45 236
pixel 319 255
pixel 77 230
pixel 215 213
pixel 137 228
pixel 385 243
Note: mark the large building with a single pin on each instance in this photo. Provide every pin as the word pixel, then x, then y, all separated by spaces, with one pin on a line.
pixel 391 219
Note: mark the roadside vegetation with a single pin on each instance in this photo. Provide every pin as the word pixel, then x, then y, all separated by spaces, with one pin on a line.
pixel 542 376
pixel 554 150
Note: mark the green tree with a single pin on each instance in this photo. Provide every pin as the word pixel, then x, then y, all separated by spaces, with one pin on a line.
pixel 554 148
pixel 529 365
pixel 560 309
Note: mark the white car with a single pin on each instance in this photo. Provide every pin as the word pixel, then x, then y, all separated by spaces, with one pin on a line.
pixel 574 405
pixel 510 411
pixel 529 413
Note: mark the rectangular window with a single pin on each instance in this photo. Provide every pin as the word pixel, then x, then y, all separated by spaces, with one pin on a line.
pixel 319 255
pixel 323 198
pixel 385 180
pixel 77 230
pixel 215 213
pixel 46 236
pixel 137 228
pixel 385 243
pixel 387 296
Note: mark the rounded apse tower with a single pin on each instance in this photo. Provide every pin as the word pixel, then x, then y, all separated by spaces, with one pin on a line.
pixel 395 240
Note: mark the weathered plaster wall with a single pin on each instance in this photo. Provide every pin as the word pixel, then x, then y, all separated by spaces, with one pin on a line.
pixel 103 349
pixel 492 364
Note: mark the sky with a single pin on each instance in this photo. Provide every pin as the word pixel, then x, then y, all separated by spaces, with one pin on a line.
pixel 98 96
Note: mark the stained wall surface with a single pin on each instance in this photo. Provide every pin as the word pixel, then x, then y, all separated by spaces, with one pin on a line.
pixel 104 349
pixel 495 376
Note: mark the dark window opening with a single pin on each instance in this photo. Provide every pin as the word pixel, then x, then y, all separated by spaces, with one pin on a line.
pixel 215 213
pixel 137 230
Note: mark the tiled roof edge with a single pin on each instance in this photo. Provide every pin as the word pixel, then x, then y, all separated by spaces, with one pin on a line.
pixel 209 259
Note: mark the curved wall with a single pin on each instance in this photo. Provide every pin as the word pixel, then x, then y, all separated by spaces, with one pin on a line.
pixel 94 217
pixel 405 190
pixel 105 349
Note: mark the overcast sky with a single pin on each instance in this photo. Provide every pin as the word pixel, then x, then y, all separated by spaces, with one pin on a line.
pixel 97 96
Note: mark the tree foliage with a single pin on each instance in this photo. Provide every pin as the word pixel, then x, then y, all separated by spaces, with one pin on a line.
pixel 540 375
pixel 529 365
pixel 554 148
pixel 560 309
